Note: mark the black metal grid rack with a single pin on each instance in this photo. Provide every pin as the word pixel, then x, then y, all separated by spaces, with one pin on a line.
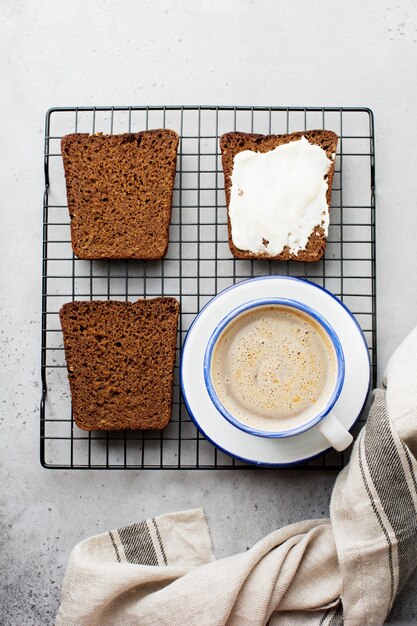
pixel 198 264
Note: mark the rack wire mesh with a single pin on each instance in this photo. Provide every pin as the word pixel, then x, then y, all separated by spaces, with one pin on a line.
pixel 198 264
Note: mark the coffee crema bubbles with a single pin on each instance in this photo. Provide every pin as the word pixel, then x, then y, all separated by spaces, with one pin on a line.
pixel 274 367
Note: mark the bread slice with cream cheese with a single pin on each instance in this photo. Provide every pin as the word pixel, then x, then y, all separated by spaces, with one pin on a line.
pixel 278 192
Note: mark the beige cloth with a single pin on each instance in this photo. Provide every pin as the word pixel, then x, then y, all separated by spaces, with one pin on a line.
pixel 344 570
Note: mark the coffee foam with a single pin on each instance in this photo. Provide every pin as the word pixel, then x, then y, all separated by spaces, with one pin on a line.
pixel 274 368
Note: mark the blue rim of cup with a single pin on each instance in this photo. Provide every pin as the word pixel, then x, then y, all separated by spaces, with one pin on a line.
pixel 291 304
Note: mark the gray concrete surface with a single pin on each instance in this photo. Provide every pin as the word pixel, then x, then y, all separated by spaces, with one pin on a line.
pixel 180 51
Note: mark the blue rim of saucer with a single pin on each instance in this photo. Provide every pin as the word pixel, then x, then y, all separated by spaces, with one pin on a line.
pixel 264 302
pixel 304 459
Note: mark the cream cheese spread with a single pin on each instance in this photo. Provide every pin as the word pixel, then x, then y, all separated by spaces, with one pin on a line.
pixel 278 197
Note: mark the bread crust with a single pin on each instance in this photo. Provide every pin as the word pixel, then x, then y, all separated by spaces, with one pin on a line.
pixel 234 142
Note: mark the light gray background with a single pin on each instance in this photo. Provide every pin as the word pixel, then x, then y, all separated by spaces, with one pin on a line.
pixel 288 52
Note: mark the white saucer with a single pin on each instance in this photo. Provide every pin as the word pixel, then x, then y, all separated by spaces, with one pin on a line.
pixel 259 450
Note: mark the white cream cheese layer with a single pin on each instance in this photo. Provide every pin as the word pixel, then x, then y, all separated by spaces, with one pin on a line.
pixel 278 197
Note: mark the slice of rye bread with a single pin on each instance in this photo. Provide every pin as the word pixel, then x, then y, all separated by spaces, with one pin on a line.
pixel 119 191
pixel 120 359
pixel 235 142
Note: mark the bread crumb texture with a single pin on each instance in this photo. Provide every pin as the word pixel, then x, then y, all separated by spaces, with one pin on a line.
pixel 235 142
pixel 119 191
pixel 120 359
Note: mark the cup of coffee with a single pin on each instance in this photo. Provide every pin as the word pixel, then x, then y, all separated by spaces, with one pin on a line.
pixel 275 368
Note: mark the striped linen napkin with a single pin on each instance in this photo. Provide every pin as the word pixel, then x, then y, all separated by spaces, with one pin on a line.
pixel 344 570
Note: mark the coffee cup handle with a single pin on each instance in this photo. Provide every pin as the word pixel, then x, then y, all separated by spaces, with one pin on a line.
pixel 336 434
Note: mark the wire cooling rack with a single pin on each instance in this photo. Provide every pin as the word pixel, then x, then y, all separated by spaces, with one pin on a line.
pixel 198 264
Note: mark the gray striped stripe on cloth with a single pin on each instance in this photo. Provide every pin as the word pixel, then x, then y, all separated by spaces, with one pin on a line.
pixel 388 476
pixel 113 543
pixel 138 544
pixel 161 546
pixel 380 522
pixel 337 617
pixel 333 617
